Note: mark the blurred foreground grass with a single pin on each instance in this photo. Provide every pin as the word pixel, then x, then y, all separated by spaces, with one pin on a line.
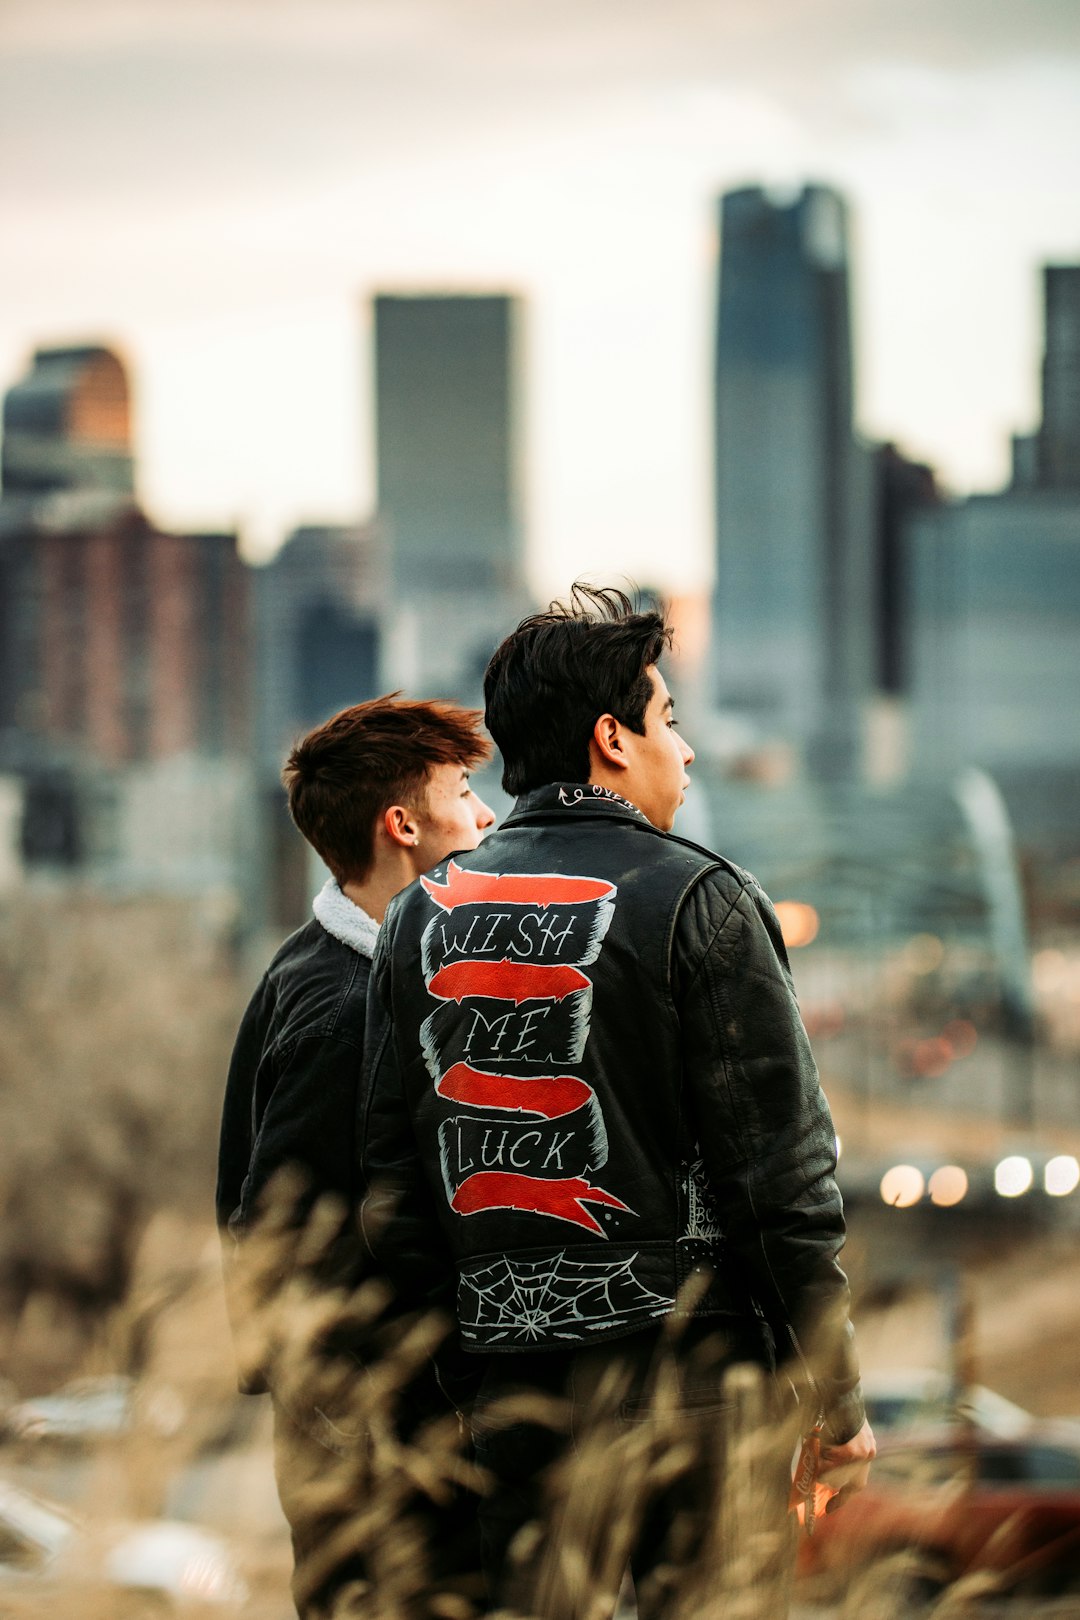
pixel 116 1020
pixel 197 1450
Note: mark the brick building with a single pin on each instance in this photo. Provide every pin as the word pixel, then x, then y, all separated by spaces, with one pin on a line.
pixel 118 643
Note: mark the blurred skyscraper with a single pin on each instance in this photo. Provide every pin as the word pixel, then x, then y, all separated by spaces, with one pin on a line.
pixel 118 641
pixel 66 469
pixel 1059 437
pixel 792 635
pixel 67 426
pixel 902 488
pixel 449 502
pixel 317 610
pixel 124 661
pixel 996 651
pixel 995 609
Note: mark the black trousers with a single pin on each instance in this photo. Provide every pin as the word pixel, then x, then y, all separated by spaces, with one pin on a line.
pixel 639 1454
pixel 302 1465
pixel 424 1547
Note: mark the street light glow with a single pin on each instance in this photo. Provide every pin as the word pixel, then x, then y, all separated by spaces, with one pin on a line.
pixel 948 1185
pixel 1061 1176
pixel 902 1186
pixel 1013 1176
pixel 799 922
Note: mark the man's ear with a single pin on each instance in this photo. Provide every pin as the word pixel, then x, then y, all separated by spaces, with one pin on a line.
pixel 608 741
pixel 400 826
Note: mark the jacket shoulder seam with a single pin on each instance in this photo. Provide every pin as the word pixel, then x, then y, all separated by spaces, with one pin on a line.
pixel 717 931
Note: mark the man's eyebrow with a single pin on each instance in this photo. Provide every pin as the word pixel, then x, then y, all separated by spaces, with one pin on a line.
pixel 670 704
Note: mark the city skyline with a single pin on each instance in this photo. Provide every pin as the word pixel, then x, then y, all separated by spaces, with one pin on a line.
pixel 162 199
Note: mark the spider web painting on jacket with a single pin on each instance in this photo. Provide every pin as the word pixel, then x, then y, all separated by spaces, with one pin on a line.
pixel 526 1299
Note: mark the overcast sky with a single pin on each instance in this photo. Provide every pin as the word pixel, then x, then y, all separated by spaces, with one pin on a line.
pixel 219 188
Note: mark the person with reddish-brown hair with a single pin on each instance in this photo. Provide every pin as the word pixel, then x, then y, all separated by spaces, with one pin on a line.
pixel 381 792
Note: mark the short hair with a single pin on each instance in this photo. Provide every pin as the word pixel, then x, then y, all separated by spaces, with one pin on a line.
pixel 553 677
pixel 343 775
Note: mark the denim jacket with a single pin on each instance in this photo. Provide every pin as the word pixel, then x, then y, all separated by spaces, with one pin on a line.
pixel 291 1093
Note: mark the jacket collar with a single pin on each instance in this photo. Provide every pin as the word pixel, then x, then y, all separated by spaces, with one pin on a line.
pixel 574 800
pixel 343 918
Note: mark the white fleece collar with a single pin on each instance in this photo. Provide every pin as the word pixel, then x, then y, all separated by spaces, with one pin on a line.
pixel 344 919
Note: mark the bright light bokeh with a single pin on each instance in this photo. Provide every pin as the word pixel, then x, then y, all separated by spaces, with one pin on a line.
pixel 1013 1176
pixel 799 922
pixel 1061 1175
pixel 948 1185
pixel 902 1186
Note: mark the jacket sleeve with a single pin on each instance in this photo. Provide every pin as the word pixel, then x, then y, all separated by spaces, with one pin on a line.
pixel 764 1129
pixel 307 1122
pixel 238 1123
pixel 399 1224
pixel 288 1108
pixel 288 1104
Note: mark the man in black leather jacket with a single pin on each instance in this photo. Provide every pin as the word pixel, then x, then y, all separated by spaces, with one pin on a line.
pixel 380 791
pixel 590 1097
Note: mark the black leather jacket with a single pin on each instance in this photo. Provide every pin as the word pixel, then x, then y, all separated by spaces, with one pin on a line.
pixel 587 1078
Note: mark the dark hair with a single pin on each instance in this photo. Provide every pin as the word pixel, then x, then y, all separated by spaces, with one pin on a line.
pixel 558 672
pixel 345 773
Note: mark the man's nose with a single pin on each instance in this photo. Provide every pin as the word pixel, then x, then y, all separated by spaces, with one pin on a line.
pixel 485 815
pixel 687 752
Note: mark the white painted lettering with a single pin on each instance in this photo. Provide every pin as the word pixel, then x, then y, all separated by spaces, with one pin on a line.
pixel 496 1031
pixel 518 1145
pixel 527 945
pixel 556 938
pixel 492 1156
pixel 525 1036
pixel 497 918
pixel 454 944
pixel 555 1149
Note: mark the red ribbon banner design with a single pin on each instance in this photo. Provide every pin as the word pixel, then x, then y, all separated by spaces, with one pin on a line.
pixel 506 981
pixel 508 888
pixel 550 1096
pixel 500 1189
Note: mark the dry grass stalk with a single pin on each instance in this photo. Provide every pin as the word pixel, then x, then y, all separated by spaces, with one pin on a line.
pixel 379 1490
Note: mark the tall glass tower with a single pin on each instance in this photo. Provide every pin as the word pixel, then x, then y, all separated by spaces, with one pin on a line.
pixel 448 463
pixel 791 623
